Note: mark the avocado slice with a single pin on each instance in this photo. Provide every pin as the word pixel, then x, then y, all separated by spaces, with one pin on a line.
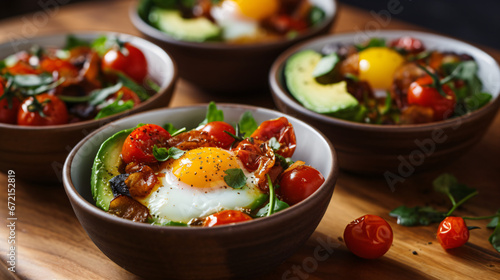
pixel 106 164
pixel 330 99
pixel 195 29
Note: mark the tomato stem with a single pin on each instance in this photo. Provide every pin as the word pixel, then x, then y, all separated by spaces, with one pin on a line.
pixel 481 218
pixel 453 202
pixel 436 82
pixel 461 202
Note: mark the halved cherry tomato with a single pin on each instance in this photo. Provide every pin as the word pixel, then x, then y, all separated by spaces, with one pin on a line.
pixel 422 93
pixel 282 130
pixel 130 61
pixel 127 94
pixel 138 147
pixel 257 158
pixel 299 183
pixel 368 237
pixel 63 67
pixel 52 107
pixel 216 131
pixel 452 232
pixel 8 114
pixel 409 44
pixel 226 217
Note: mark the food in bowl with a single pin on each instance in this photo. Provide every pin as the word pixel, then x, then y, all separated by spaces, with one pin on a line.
pixel 82 81
pixel 234 21
pixel 211 175
pixel 379 82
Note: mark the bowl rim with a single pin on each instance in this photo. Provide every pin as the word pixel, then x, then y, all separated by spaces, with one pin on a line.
pixel 153 32
pixel 279 91
pixel 168 86
pixel 76 198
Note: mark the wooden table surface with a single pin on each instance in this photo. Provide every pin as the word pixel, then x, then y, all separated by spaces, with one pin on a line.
pixel 51 244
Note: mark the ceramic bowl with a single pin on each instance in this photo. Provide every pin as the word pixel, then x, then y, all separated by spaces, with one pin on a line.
pixel 224 68
pixel 397 151
pixel 234 251
pixel 37 154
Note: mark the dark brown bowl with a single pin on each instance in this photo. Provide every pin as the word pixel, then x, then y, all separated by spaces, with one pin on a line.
pixel 396 151
pixel 247 249
pixel 228 68
pixel 37 154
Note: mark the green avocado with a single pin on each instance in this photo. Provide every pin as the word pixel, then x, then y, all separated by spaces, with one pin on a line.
pixel 106 164
pixel 332 99
pixel 195 29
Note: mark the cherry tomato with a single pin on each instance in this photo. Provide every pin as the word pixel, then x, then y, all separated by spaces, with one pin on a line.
pixel 21 68
pixel 422 93
pixel 226 217
pixel 284 23
pixel 63 67
pixel 216 131
pixel 8 114
pixel 368 237
pixel 282 130
pixel 409 44
pixel 138 147
pixel 452 232
pixel 53 108
pixel 299 183
pixel 127 94
pixel 130 61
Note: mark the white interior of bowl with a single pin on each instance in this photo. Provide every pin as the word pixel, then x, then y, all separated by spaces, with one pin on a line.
pixel 312 147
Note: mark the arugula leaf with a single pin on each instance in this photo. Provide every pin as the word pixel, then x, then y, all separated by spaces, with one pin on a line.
pixel 115 108
pixel 416 216
pixel 164 154
pixel 247 124
pixel 374 42
pixel 213 114
pixel 235 178
pixel 72 42
pixel 132 85
pixel 98 96
pixel 494 222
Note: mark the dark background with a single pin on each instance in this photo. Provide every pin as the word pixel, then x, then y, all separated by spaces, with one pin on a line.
pixel 474 21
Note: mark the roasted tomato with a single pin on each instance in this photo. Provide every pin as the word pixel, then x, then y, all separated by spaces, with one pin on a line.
pixel 299 183
pixel 282 130
pixel 368 237
pixel 256 157
pixel 452 232
pixel 409 44
pixel 46 110
pixel 21 68
pixel 8 108
pixel 127 94
pixel 422 93
pixel 138 146
pixel 128 60
pixel 216 130
pixel 226 217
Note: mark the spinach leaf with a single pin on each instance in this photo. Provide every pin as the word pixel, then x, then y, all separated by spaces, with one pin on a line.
pixel 98 96
pixel 416 216
pixel 72 42
pixel 213 114
pixel 247 124
pixel 115 108
pixel 477 100
pixel 164 154
pixel 235 178
pixel 278 206
pixel 131 84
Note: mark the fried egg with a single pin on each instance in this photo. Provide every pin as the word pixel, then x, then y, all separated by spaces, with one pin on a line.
pixel 193 186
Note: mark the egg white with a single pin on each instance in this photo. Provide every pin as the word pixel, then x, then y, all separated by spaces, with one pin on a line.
pixel 234 25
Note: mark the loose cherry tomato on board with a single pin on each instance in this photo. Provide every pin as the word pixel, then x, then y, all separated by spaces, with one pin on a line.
pixel 226 217
pixel 452 232
pixel 299 183
pixel 422 93
pixel 129 60
pixel 368 237
pixel 53 109
pixel 139 144
pixel 408 44
pixel 8 112
pixel 282 130
pixel 216 130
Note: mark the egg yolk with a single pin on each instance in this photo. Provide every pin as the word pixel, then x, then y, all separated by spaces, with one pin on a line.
pixel 204 167
pixel 257 9
pixel 377 66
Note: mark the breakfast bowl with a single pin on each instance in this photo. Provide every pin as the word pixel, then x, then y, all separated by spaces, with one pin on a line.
pixel 37 152
pixel 245 249
pixel 395 150
pixel 221 67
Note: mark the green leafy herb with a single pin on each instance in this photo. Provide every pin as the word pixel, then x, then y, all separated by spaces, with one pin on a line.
pixel 495 237
pixel 164 154
pixel 31 80
pixel 477 100
pixel 131 84
pixel 172 130
pixel 235 178
pixel 416 216
pixel 388 104
pixel 3 64
pixel 316 15
pixel 98 96
pixel 284 162
pixel 437 83
pixel 494 222
pixel 115 108
pixel 247 124
pixel 101 45
pixel 278 206
pixel 72 42
pixel 213 114
pixel 374 42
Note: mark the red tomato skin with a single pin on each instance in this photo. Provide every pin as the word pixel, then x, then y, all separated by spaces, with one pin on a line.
pixel 8 115
pixel 21 68
pixel 216 130
pixel 282 130
pixel 138 147
pixel 408 44
pixel 421 94
pixel 127 94
pixel 55 111
pixel 452 233
pixel 368 237
pixel 226 217
pixel 299 183
pixel 133 64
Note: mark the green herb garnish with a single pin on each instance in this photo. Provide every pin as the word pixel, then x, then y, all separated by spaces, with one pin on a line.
pixel 235 178
pixel 164 154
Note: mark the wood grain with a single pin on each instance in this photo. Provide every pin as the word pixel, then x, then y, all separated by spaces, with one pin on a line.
pixel 51 244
